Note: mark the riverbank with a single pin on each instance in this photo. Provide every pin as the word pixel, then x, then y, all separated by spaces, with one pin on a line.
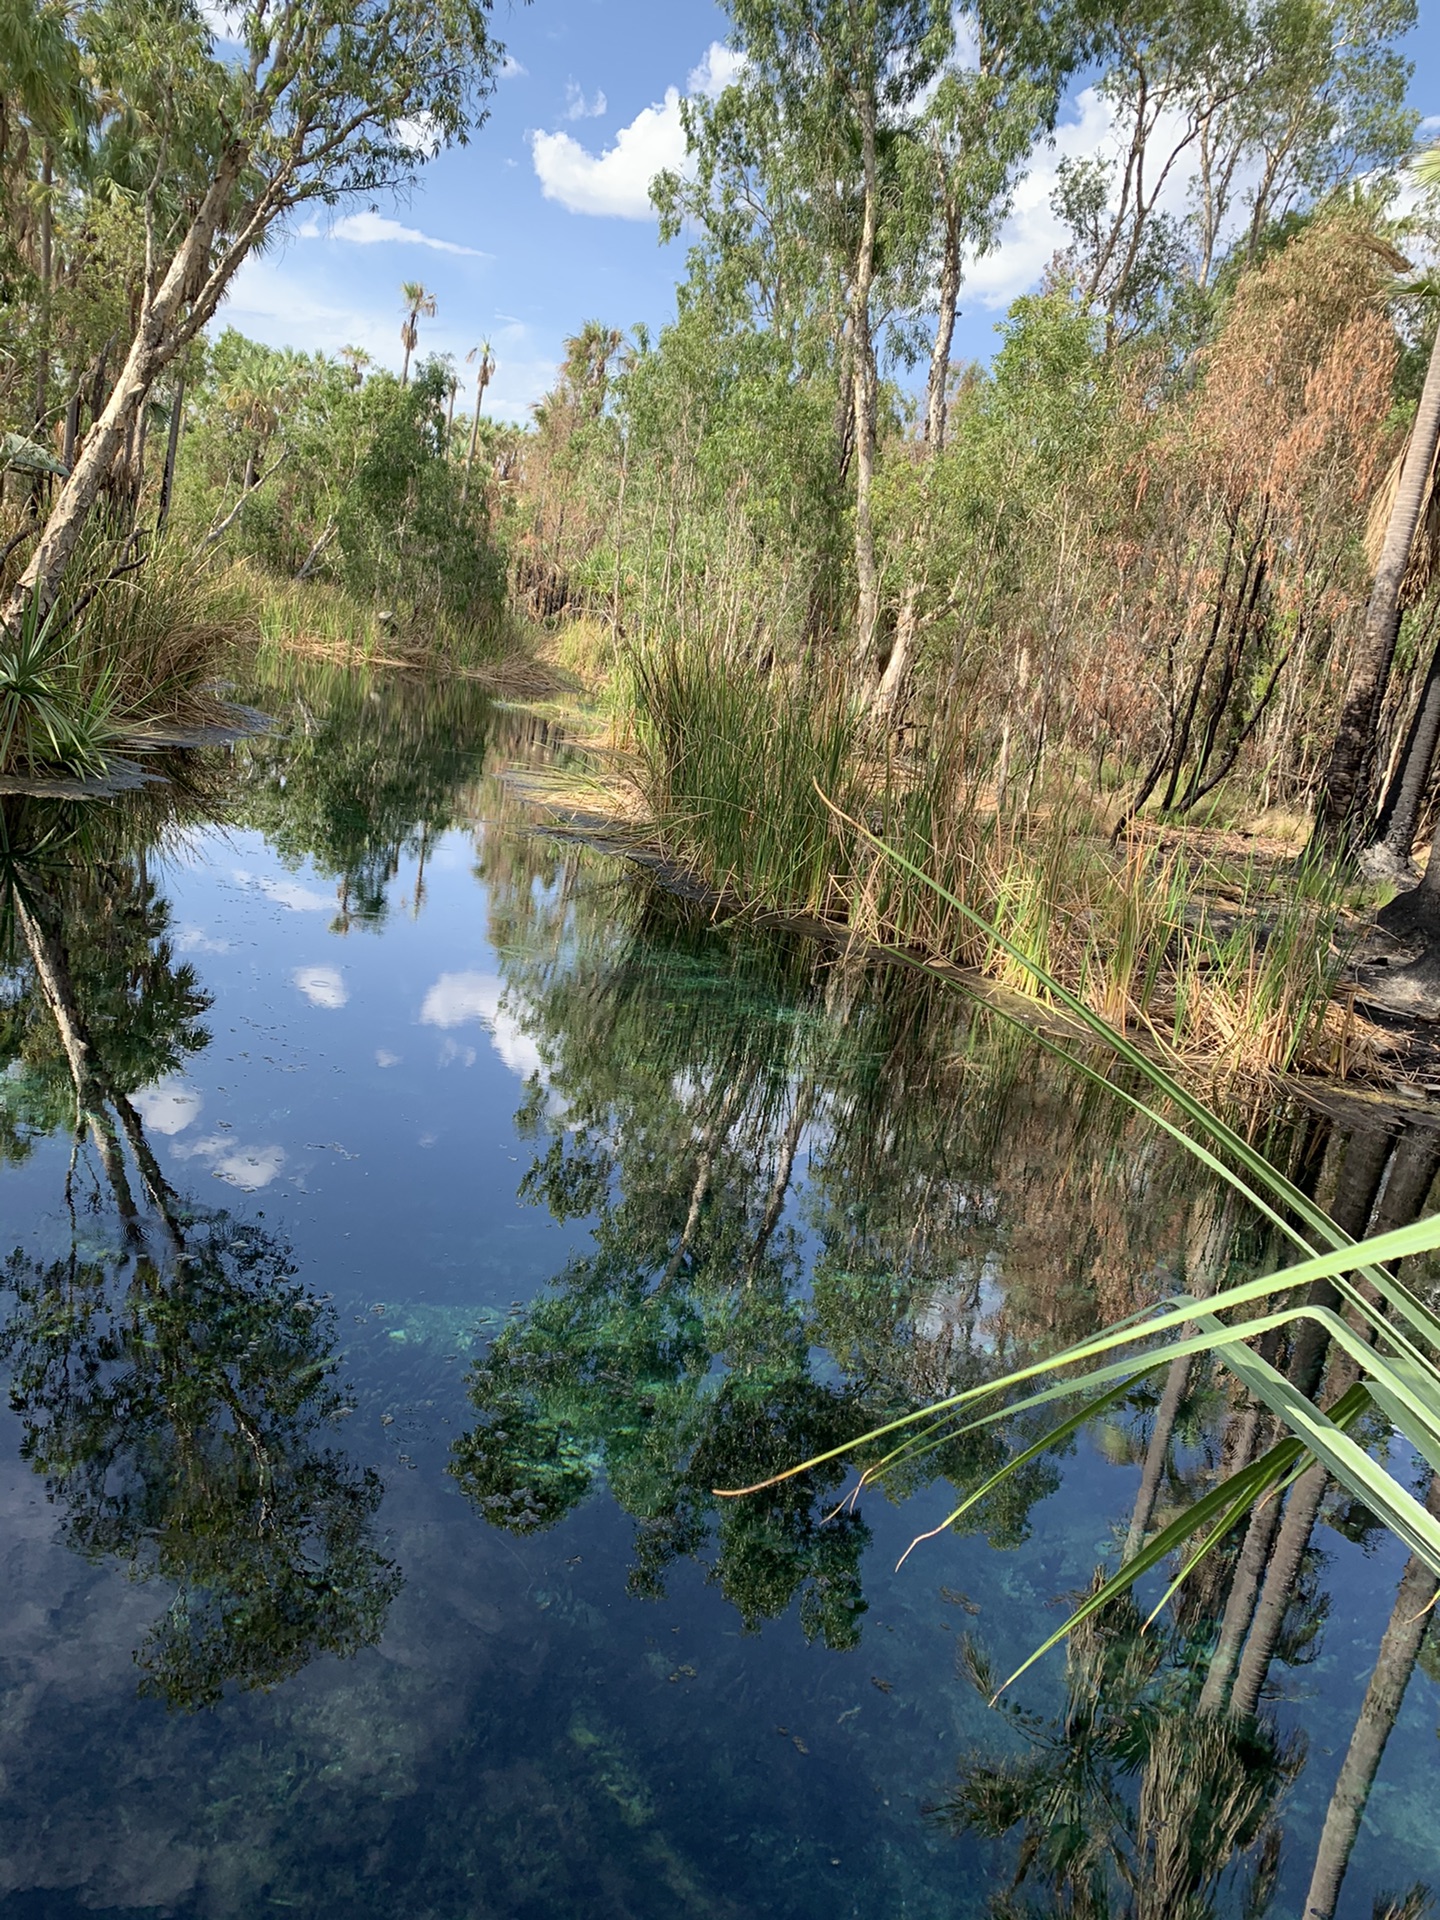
pixel 1209 943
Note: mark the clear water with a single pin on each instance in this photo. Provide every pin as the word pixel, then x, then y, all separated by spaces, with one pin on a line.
pixel 457 1215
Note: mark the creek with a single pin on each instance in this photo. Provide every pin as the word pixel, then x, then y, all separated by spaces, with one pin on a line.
pixel 454 1211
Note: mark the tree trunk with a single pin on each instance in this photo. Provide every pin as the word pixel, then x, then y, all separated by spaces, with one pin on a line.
pixel 1343 794
pixel 326 535
pixel 1411 1171
pixel 52 970
pixel 47 280
pixel 866 397
pixel 1389 854
pixel 1366 1157
pixel 482 381
pixel 891 689
pixel 1395 1663
pixel 937 391
pixel 172 447
pixel 1210 1238
pixel 156 342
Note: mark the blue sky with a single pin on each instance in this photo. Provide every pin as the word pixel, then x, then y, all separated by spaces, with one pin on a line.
pixel 542 222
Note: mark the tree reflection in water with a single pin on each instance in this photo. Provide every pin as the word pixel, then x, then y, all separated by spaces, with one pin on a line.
pixel 817 1199
pixel 174 1379
pixel 963 1207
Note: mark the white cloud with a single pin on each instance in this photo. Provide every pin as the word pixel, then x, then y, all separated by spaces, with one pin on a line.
pixel 168 1107
pixel 384 1058
pixel 421 135
pixel 457 998
pixel 516 1048
pixel 371 229
pixel 617 181
pixel 1034 233
pixel 217 17
pixel 249 1168
pixel 322 986
pixel 286 893
pixel 577 107
pixel 715 71
pixel 511 69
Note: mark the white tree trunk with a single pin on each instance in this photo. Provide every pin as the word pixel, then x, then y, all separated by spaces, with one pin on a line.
pixel 158 338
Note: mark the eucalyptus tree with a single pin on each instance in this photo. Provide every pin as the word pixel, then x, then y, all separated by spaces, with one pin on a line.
pixel 796 180
pixel 961 162
pixel 1399 1654
pixel 307 104
pixel 997 97
pixel 1226 120
pixel 184 1415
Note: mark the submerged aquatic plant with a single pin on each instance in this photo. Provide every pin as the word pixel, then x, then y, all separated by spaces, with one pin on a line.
pixel 1344 1292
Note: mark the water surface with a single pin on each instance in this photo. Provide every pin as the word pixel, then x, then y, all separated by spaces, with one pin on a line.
pixel 449 1215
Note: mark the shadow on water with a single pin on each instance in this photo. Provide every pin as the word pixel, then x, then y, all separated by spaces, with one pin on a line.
pixel 796 1201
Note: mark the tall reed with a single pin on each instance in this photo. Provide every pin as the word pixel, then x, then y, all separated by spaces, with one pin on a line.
pixel 735 755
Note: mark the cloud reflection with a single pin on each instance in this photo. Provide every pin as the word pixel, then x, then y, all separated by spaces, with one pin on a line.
pixel 322 986
pixel 457 998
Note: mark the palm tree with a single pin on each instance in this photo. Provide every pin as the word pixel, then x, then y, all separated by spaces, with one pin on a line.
pixel 483 374
pixel 356 361
pixel 418 299
pixel 587 363
pixel 452 387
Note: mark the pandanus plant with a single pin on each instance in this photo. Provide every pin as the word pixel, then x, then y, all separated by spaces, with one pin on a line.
pixel 1382 1337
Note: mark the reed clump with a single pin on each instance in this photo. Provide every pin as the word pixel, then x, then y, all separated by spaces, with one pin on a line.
pixel 768 783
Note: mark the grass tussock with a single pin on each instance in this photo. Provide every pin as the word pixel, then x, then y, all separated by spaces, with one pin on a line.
pixel 134 653
pixel 755 780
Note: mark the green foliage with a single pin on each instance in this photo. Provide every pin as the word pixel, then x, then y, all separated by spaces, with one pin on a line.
pixel 297 466
pixel 1210 1785
pixel 354 787
pixel 180 1405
